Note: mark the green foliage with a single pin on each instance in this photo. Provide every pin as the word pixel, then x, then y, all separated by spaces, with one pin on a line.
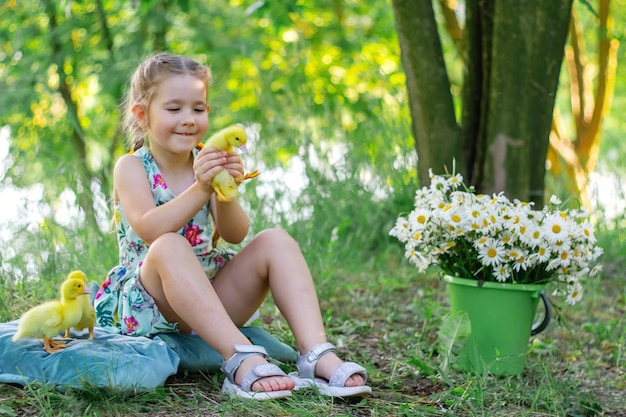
pixel 316 78
pixel 337 163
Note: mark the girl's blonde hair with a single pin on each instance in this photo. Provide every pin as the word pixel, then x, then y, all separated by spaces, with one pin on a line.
pixel 144 83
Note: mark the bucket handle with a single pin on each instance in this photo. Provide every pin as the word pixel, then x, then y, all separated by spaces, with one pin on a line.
pixel 538 328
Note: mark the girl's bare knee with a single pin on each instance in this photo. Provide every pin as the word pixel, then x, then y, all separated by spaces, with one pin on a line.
pixel 165 252
pixel 276 236
pixel 167 242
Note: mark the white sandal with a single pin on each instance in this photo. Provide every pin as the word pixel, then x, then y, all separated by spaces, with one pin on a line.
pixel 336 386
pixel 230 366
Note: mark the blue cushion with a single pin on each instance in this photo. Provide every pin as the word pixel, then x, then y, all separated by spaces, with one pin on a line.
pixel 116 361
pixel 196 355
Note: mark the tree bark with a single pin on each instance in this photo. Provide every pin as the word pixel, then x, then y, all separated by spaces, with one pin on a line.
pixel 437 134
pixel 527 50
pixel 512 53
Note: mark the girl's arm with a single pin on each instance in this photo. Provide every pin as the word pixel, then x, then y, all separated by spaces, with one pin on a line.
pixel 231 221
pixel 148 220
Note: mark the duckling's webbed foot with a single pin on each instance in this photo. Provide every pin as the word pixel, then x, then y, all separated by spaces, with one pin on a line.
pixel 52 346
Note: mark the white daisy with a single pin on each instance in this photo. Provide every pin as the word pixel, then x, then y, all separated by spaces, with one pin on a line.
pixel 555 200
pixel 595 271
pixel 555 228
pixel 417 259
pixel 401 230
pixel 455 181
pixel 543 253
pixel 586 231
pixel 521 262
pixel 491 253
pixel 564 257
pixel 574 293
pixel 418 218
pixel 501 273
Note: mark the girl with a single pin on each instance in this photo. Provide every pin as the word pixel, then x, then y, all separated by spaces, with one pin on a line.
pixel 170 278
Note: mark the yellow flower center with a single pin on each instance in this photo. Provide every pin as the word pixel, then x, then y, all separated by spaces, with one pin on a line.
pixel 556 228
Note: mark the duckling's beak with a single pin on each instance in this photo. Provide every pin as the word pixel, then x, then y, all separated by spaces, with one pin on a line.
pixel 244 149
pixel 86 290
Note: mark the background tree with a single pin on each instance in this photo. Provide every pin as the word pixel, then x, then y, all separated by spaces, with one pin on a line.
pixel 575 146
pixel 512 54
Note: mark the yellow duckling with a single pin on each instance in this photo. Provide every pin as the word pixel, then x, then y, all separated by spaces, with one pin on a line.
pixel 88 318
pixel 49 319
pixel 224 184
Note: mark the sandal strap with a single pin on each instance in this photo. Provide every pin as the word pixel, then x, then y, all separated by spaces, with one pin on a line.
pixel 260 371
pixel 242 352
pixel 306 363
pixel 345 371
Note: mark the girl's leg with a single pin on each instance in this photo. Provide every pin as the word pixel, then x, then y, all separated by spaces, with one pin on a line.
pixel 273 260
pixel 175 279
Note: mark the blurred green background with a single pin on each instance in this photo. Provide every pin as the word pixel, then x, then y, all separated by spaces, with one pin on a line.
pixel 322 81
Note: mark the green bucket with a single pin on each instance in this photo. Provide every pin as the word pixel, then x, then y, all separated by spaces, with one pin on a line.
pixel 501 317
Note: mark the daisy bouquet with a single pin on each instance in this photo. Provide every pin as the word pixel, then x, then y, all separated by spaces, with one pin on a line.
pixel 491 238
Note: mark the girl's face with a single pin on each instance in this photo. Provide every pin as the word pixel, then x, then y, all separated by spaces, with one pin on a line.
pixel 177 118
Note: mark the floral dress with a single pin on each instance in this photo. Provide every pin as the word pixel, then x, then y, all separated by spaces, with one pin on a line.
pixel 122 304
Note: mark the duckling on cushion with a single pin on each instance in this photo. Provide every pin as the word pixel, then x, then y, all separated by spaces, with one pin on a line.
pixel 88 318
pixel 47 320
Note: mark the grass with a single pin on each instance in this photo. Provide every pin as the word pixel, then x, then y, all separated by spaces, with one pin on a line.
pixel 386 317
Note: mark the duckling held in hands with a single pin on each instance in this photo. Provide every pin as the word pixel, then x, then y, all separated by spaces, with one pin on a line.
pixel 224 184
pixel 49 319
pixel 88 318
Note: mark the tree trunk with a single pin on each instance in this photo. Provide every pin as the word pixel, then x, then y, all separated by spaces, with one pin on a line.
pixel 437 135
pixel 525 61
pixel 513 58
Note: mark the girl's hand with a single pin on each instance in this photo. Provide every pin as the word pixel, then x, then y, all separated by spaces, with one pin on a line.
pixel 207 164
pixel 234 165
pixel 210 161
